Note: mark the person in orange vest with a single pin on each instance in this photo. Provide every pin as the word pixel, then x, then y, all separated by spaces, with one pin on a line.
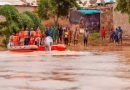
pixel 32 41
pixel 38 37
pixel 26 37
pixel 15 40
pixel 21 36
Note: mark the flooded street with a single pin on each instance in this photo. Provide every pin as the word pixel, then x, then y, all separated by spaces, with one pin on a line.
pixel 64 71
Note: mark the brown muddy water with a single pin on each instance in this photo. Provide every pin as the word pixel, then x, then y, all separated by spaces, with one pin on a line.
pixel 64 71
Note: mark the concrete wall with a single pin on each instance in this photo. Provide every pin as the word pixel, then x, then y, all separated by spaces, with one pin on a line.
pixel 121 20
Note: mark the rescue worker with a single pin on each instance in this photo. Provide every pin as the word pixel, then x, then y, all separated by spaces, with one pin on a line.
pixel 38 37
pixel 15 40
pixel 26 36
pixel 32 41
pixel 21 36
pixel 48 42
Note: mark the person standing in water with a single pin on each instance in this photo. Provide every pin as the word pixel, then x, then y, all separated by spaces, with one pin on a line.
pixel 48 42
pixel 120 33
pixel 76 36
pixel 103 33
pixel 86 35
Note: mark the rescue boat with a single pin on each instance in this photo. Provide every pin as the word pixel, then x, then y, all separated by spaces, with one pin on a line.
pixel 31 48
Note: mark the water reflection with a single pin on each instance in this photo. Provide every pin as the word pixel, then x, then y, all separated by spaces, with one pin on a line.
pixel 64 71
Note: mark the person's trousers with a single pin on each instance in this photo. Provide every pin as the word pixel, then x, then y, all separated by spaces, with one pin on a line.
pixel 85 41
pixel 26 41
pixel 66 41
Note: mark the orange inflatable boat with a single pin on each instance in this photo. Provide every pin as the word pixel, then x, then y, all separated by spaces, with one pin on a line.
pixel 31 48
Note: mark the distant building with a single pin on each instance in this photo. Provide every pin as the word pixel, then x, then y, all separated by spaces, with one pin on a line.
pixel 21 5
pixel 87 3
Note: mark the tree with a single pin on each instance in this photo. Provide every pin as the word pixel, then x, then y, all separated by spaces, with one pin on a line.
pixel 55 8
pixel 15 21
pixel 36 20
pixel 123 6
pixel 11 23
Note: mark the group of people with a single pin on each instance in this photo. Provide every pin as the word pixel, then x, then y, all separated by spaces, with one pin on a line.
pixel 26 37
pixel 59 34
pixel 114 35
pixel 62 34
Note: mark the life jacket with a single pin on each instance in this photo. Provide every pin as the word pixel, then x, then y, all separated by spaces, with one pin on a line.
pixel 37 33
pixel 21 34
pixel 32 41
pixel 15 39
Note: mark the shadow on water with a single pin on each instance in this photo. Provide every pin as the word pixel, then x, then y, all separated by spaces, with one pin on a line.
pixel 64 71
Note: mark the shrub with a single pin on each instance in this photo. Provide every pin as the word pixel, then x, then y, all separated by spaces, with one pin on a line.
pixel 94 38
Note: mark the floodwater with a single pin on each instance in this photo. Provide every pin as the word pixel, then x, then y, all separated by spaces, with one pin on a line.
pixel 64 71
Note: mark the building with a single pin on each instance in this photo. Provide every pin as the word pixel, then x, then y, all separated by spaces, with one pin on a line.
pixel 88 3
pixel 106 15
pixel 21 5
pixel 88 18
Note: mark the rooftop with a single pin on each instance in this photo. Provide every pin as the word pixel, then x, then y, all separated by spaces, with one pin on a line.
pixel 85 3
pixel 19 2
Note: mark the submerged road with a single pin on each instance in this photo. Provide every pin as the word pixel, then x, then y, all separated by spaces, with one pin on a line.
pixel 64 71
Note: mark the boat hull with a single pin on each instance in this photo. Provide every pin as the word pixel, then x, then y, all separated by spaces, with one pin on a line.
pixel 31 48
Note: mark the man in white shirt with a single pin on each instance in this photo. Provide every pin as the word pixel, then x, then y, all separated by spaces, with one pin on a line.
pixel 48 43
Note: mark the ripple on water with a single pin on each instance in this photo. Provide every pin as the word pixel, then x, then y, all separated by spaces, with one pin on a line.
pixel 63 71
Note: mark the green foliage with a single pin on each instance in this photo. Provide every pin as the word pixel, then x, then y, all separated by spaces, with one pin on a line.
pixel 25 21
pixel 36 20
pixel 10 12
pixel 43 8
pixel 55 8
pixel 42 28
pixel 94 38
pixel 15 21
pixel 123 6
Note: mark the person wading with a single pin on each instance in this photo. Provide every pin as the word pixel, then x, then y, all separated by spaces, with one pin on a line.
pixel 76 36
pixel 48 42
pixel 86 35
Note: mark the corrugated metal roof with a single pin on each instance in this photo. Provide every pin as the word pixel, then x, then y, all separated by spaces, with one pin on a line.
pixel 89 11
